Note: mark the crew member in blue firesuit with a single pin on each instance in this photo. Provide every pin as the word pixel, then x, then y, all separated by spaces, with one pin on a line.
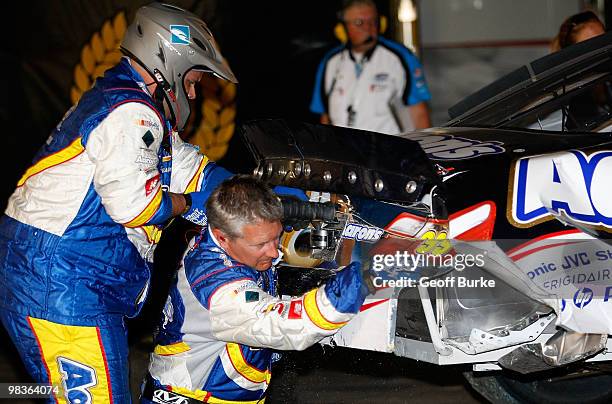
pixel 80 228
pixel 223 317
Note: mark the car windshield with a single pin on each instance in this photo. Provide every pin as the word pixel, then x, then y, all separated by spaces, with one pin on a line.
pixel 566 91
pixel 582 105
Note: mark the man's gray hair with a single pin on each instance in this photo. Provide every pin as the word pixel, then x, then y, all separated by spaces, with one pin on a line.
pixel 351 3
pixel 241 200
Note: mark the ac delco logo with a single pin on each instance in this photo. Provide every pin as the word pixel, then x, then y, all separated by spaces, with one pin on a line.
pixel 362 233
pixel 572 183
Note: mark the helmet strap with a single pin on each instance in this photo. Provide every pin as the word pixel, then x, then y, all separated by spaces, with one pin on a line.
pixel 164 90
pixel 161 81
pixel 158 98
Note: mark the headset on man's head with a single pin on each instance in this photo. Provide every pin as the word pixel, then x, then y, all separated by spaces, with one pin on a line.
pixel 341 34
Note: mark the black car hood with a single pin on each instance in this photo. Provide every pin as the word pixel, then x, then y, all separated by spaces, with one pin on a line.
pixel 470 146
pixel 340 160
pixel 522 89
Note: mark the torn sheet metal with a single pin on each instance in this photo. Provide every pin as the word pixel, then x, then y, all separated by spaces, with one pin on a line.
pixel 562 348
pixel 568 271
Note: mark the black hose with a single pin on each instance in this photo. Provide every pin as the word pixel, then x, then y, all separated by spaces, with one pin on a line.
pixel 298 210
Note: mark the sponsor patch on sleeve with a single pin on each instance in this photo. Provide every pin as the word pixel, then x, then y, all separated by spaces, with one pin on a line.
pixel 148 138
pixel 146 159
pixel 151 184
pixel 145 123
pixel 245 286
pixel 295 310
pixel 251 296
pixel 279 307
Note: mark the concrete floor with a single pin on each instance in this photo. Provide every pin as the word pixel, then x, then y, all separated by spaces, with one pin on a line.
pixel 318 375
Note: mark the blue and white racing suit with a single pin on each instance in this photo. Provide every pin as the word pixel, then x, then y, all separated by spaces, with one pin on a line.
pixel 222 320
pixel 79 231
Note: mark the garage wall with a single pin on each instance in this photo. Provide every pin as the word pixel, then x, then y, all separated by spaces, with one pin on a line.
pixel 461 22
pixel 466 44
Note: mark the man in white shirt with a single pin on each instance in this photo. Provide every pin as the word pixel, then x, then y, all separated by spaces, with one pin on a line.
pixel 370 83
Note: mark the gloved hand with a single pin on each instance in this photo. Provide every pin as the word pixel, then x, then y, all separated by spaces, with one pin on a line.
pixel 346 291
pixel 196 211
pixel 295 224
pixel 213 176
pixel 367 277
pixel 282 190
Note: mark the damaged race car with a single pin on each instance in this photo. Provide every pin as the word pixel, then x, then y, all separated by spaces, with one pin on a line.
pixel 484 242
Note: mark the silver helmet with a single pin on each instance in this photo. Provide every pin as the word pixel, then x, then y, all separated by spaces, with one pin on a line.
pixel 169 41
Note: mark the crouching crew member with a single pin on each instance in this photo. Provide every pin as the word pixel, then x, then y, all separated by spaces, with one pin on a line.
pixel 223 319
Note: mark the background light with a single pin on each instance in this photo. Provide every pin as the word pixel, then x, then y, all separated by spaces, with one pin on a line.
pixel 406 11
